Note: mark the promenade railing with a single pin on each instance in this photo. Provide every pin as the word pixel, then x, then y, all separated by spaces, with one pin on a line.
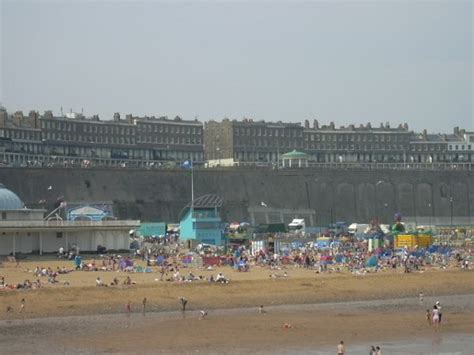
pixel 24 160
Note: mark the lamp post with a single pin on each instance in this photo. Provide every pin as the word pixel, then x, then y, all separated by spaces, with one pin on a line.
pixel 451 200
pixel 430 210
pixel 218 155
pixel 330 211
pixel 375 198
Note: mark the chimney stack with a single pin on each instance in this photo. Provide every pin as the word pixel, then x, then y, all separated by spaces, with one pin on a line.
pixel 3 117
pixel 18 118
pixel 34 119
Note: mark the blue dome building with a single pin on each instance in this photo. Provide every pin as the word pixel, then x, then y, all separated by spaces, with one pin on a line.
pixel 9 200
pixel 25 230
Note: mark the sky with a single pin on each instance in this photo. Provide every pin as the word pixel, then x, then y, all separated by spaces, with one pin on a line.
pixel 346 62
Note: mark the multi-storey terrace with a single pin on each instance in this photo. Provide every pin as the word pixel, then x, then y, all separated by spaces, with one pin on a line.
pixel 160 139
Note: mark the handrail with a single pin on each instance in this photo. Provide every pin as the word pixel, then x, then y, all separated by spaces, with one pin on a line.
pixel 22 160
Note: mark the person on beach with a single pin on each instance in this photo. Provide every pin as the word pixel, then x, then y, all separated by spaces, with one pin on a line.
pixel 144 305
pixel 261 310
pixel 129 307
pixel 421 297
pixel 184 302
pixel 22 305
pixel 438 306
pixel 341 349
pixel 378 351
pixel 435 318
pixel 372 350
pixel 428 317
pixel 202 315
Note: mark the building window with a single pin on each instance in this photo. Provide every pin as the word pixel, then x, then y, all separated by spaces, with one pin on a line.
pixel 4 215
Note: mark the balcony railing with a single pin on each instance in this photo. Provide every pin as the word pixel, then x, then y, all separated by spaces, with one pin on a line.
pixel 68 224
pixel 8 159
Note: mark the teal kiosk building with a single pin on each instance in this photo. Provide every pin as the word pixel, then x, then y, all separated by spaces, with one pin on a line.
pixel 200 221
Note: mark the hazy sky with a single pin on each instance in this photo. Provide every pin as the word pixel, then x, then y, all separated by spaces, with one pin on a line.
pixel 347 62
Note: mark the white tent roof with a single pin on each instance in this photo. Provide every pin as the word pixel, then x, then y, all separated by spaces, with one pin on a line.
pixel 87 211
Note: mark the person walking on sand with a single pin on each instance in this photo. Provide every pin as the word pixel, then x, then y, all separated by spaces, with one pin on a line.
pixel 341 349
pixel 421 297
pixel 428 317
pixel 144 305
pixel 129 307
pixel 438 306
pixel 22 305
pixel 435 318
pixel 184 302
pixel 378 351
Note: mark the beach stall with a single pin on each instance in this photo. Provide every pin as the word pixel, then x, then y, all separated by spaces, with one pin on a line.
pixel 411 240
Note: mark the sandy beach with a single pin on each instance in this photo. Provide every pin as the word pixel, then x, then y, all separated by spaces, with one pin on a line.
pixel 246 289
pixel 321 309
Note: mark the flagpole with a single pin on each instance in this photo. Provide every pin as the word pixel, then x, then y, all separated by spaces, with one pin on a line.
pixel 192 188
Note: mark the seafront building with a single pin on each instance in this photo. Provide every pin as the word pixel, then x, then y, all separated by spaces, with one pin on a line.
pixel 73 139
pixel 24 230
pixel 200 221
pixel 260 141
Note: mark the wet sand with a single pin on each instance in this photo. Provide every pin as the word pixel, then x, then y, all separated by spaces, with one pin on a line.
pixel 397 324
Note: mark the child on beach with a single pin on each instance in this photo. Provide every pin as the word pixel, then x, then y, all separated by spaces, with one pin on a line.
pixel 202 315
pixel 428 317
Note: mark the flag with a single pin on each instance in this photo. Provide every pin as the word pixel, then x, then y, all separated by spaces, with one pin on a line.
pixel 188 164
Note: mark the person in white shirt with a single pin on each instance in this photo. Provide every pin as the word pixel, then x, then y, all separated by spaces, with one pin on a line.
pixel 438 305
pixel 435 315
pixel 98 282
pixel 341 349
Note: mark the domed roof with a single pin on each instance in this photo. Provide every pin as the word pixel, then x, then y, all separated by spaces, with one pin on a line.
pixel 9 200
